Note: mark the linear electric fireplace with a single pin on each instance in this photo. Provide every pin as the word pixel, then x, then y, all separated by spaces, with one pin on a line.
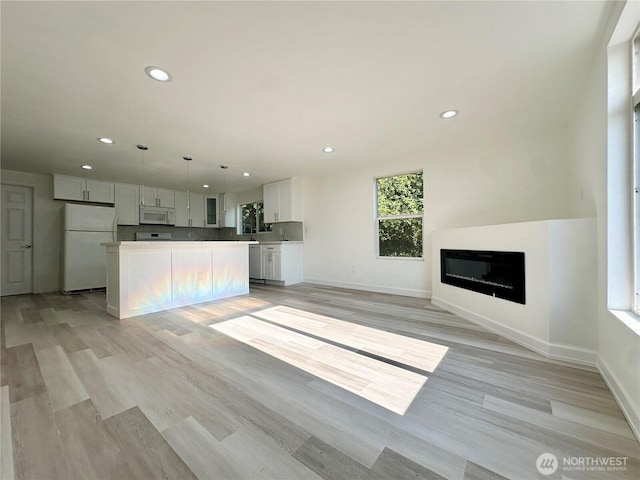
pixel 499 274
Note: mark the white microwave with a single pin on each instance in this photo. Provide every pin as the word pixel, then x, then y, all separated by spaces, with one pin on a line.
pixel 157 215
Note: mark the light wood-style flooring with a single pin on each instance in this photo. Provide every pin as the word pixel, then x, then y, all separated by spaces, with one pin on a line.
pixel 302 382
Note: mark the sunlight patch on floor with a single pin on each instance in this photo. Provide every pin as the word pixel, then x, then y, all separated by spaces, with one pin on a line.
pixel 389 386
pixel 409 351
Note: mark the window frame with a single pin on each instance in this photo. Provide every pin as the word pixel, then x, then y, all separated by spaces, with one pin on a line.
pixel 635 168
pixel 240 228
pixel 377 218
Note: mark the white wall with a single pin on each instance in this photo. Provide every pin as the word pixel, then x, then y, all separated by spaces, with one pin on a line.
pixel 557 318
pixel 47 231
pixel 600 154
pixel 249 196
pixel 522 176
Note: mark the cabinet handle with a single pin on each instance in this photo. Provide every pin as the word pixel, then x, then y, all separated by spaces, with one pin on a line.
pixel 88 197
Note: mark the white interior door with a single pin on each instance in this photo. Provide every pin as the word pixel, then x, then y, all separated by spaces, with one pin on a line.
pixel 17 235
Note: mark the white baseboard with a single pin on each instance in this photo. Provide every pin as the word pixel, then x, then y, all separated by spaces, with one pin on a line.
pixel 621 395
pixel 407 292
pixel 565 353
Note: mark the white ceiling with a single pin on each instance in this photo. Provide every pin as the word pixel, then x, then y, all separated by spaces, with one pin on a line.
pixel 264 86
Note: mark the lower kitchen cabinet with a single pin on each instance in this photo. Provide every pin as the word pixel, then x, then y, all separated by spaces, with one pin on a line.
pixel 272 263
pixel 282 262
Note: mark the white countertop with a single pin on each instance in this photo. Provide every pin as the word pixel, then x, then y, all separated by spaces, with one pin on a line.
pixel 185 243
pixel 280 242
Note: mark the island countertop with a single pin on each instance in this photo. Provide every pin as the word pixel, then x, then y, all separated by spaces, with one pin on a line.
pixel 178 243
pixel 145 277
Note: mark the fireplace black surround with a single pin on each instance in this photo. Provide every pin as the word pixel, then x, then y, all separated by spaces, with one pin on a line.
pixel 499 274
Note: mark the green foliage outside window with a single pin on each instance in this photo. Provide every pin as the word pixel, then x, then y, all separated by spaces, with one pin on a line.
pixel 252 218
pixel 400 205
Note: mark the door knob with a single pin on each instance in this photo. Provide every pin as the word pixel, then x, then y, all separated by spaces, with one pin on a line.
pixel 25 246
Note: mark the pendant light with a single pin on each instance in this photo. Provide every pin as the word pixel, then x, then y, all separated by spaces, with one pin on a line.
pixel 143 148
pixel 188 159
pixel 224 187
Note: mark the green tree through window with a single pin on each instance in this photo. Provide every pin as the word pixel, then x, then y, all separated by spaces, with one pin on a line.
pixel 399 208
pixel 252 219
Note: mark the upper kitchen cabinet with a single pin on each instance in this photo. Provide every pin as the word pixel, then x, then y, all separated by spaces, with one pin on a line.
pixel 229 209
pixel 127 204
pixel 82 189
pixel 282 201
pixel 197 209
pixel 220 210
pixel 212 211
pixel 189 209
pixel 157 197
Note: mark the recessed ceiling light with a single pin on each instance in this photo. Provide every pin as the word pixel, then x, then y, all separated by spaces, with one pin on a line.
pixel 246 174
pixel 87 167
pixel 106 140
pixel 205 186
pixel 188 158
pixel 224 167
pixel 158 74
pixel 449 114
pixel 327 149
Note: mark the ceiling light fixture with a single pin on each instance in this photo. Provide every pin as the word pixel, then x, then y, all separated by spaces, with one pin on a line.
pixel 224 167
pixel 106 140
pixel 205 186
pixel 158 74
pixel 87 167
pixel 246 174
pixel 327 150
pixel 449 114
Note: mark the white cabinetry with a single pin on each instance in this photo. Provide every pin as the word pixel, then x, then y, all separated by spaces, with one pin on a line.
pixel 82 189
pixel 189 209
pixel 146 277
pixel 255 262
pixel 212 210
pixel 271 262
pixel 197 209
pixel 282 263
pixel 229 207
pixel 157 197
pixel 220 210
pixel 282 201
pixel 127 203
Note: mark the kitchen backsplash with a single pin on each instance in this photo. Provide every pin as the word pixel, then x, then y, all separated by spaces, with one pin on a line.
pixel 281 231
pixel 128 232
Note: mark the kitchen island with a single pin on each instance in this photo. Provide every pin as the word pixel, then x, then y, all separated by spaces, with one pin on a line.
pixel 146 277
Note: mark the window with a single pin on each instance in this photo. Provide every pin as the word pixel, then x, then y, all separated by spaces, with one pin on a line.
pixel 399 206
pixel 636 171
pixel 252 219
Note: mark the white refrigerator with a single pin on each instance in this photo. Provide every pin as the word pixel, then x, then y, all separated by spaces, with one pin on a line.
pixel 84 259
